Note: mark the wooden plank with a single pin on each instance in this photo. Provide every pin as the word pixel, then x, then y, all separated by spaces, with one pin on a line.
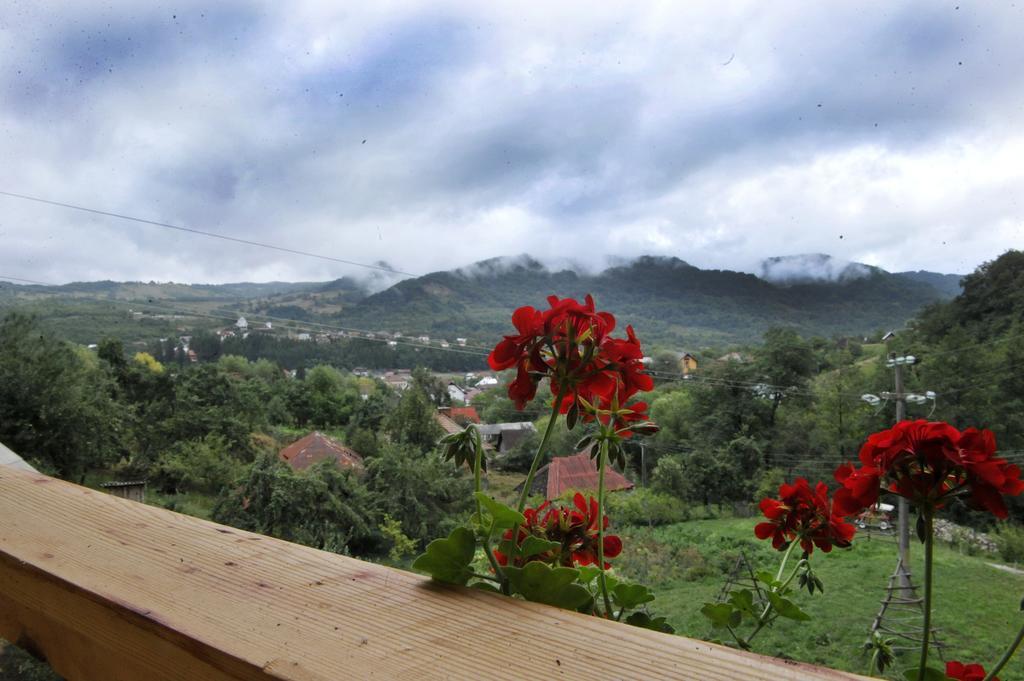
pixel 113 590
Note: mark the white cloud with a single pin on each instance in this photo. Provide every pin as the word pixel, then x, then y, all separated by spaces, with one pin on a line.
pixel 722 133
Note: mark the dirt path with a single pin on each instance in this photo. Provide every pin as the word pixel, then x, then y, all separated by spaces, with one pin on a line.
pixel 1006 568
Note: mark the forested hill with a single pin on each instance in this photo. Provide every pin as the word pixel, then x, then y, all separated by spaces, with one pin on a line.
pixel 972 351
pixel 671 301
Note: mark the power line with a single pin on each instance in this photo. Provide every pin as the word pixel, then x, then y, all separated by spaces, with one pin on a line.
pixel 200 232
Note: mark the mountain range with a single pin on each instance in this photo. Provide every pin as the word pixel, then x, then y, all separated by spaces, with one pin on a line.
pixel 670 302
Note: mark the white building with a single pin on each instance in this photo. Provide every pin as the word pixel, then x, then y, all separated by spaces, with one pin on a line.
pixel 456 393
pixel 242 324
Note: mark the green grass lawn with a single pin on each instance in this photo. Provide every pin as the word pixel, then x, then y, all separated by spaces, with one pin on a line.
pixel 977 606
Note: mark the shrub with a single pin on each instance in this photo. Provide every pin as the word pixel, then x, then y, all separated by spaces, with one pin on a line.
pixel 1010 540
pixel 646 507
pixel 196 466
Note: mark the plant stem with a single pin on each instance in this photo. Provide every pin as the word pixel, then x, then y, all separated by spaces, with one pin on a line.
pixel 762 620
pixel 479 449
pixel 785 557
pixel 487 577
pixel 602 462
pixel 555 407
pixel 1006 656
pixel 494 561
pixel 792 575
pixel 929 541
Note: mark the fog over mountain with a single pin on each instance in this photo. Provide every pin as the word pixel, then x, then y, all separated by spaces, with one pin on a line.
pixel 792 269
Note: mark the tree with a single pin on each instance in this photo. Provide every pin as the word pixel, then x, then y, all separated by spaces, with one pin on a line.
pixel 786 362
pixel 325 507
pixel 56 408
pixel 424 494
pixel 413 421
pixel 204 465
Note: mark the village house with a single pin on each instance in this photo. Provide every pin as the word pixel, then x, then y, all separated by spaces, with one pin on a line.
pixel 456 393
pixel 505 436
pixel 687 363
pixel 576 473
pixel 398 380
pixel 461 415
pixel 317 447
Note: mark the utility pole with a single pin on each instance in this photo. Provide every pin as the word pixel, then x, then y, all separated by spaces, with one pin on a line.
pixel 901 397
pixel 901 605
pixel 903 523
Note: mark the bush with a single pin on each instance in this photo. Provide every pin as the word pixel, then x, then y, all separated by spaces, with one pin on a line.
pixel 1010 540
pixel 196 466
pixel 645 507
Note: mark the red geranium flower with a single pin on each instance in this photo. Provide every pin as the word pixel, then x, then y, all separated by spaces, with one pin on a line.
pixel 928 463
pixel 569 344
pixel 573 528
pixel 966 672
pixel 804 515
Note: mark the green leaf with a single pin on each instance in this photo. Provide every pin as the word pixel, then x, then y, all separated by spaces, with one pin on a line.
pixel 502 514
pixel 768 578
pixel 588 573
pixel 743 601
pixel 630 596
pixel 930 674
pixel 787 608
pixel 447 560
pixel 642 619
pixel 721 615
pixel 541 583
pixel 572 415
pixel 534 546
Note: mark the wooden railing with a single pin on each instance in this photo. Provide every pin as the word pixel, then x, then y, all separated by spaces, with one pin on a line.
pixel 110 589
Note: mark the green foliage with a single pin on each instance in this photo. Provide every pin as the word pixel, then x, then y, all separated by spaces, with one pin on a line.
pixel 1010 540
pixel 56 405
pixel 542 583
pixel 501 515
pixel 401 545
pixel 645 507
pixel 205 465
pixel 426 495
pixel 448 559
pixel 412 422
pixel 270 498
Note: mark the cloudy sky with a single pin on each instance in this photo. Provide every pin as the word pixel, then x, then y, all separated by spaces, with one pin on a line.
pixel 432 135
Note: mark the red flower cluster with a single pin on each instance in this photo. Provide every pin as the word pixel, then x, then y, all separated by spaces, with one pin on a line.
pixel 570 345
pixel 929 462
pixel 804 515
pixel 966 672
pixel 575 530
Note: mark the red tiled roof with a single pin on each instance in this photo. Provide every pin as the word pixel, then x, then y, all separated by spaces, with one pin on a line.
pixel 578 472
pixel 317 447
pixel 447 425
pixel 464 413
